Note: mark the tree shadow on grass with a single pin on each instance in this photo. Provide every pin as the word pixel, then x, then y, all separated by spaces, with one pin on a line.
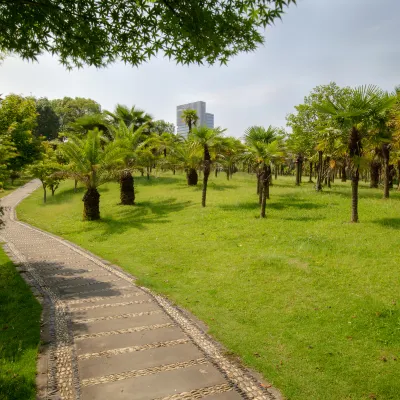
pixel 304 219
pixel 138 216
pixel 283 204
pixel 220 186
pixel 364 193
pixel 155 181
pixel 240 206
pixel 393 223
pixel 16 387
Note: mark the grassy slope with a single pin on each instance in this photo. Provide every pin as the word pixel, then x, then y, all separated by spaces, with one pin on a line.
pixel 303 296
pixel 19 334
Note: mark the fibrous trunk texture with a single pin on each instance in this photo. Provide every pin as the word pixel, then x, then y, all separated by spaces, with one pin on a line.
pixel 265 181
pixel 386 170
pixel 207 169
pixel 343 172
pixel 127 188
pixel 355 150
pixel 192 177
pixel 318 186
pixel 91 205
pixel 374 171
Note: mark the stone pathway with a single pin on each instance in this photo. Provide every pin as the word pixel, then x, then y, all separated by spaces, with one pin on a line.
pixel 107 337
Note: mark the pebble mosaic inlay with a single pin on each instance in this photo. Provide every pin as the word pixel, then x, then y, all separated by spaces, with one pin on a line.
pixel 119 316
pixel 199 393
pixel 142 372
pixel 126 303
pixel 123 331
pixel 96 299
pixel 132 349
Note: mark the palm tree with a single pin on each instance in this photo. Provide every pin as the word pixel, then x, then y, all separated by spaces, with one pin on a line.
pixel 264 154
pixel 230 152
pixel 362 110
pixel 190 118
pixel 91 121
pixel 131 116
pixel 256 134
pixel 187 154
pixel 206 138
pixel 330 143
pixel 91 163
pixel 130 139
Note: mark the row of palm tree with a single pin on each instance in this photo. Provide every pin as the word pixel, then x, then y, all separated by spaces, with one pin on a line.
pixel 352 131
pixel 111 146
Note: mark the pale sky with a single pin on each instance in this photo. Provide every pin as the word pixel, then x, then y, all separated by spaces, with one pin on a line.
pixel 351 42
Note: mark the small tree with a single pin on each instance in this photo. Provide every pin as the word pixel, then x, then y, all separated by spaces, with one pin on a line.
pixel 92 163
pixel 190 118
pixel 44 170
pixel 206 138
pixel 128 138
pixel 187 155
pixel 264 153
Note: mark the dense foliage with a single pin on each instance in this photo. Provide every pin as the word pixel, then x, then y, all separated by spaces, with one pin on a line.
pixel 97 32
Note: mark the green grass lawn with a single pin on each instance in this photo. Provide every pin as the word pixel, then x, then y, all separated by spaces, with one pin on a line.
pixel 304 297
pixel 19 334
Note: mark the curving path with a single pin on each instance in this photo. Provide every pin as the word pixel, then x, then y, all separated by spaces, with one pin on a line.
pixel 105 337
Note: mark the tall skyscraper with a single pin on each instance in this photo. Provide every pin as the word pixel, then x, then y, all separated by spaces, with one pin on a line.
pixel 205 119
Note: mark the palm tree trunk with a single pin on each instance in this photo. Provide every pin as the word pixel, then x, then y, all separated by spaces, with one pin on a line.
pixel 216 172
pixel 328 172
pixel 392 174
pixel 355 150
pixel 311 171
pixel 343 172
pixel 207 169
pixel 374 170
pixel 398 176
pixel 53 190
pixel 75 185
pixel 269 176
pixel 127 188
pixel 354 195
pixel 386 170
pixel 192 177
pixel 91 205
pixel 265 178
pixel 318 186
pixel 258 175
pixel 276 172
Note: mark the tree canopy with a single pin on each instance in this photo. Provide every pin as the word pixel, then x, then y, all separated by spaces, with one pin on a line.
pixel 97 32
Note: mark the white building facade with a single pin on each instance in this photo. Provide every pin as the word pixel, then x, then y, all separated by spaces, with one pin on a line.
pixel 205 119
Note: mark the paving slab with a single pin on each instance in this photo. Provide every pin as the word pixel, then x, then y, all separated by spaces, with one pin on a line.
pixel 119 321
pixel 156 386
pixel 106 338
pixel 113 339
pixel 92 367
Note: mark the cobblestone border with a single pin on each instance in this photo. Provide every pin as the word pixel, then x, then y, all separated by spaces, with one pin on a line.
pixel 241 380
